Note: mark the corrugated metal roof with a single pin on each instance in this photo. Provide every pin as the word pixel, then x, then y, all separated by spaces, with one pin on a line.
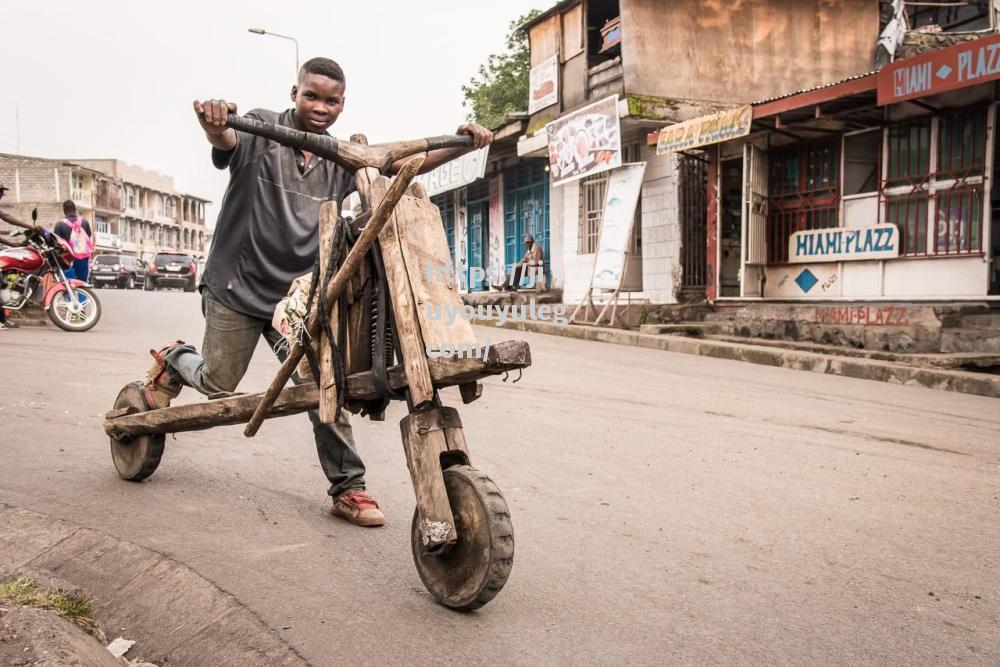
pixel 814 88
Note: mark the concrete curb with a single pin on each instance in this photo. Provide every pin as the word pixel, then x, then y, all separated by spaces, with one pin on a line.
pixel 177 616
pixel 865 369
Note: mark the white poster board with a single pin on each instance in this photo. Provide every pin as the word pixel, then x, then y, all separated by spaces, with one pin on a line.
pixel 543 84
pixel 624 185
pixel 461 171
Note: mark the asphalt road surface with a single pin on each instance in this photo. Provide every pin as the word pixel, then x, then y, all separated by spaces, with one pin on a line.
pixel 666 508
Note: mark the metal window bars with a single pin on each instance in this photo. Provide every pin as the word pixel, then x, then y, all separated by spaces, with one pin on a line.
pixel 947 192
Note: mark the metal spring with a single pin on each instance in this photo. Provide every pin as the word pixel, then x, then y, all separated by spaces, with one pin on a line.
pixel 374 321
pixel 389 347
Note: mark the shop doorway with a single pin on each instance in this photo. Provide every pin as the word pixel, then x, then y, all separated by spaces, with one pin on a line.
pixel 730 226
pixel 693 171
pixel 994 247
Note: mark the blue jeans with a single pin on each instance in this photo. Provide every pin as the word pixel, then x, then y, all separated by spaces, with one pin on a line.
pixel 80 270
pixel 230 340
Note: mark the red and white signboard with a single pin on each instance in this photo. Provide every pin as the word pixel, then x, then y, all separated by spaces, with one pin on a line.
pixel 966 64
pixel 543 85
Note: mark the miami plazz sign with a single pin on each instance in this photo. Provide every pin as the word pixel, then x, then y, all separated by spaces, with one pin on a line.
pixel 966 64
pixel 844 244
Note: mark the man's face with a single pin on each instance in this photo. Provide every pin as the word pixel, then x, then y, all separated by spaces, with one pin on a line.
pixel 318 102
pixel 528 242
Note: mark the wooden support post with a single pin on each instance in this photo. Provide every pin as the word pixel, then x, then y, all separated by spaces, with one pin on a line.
pixel 426 436
pixel 423 446
pixel 328 214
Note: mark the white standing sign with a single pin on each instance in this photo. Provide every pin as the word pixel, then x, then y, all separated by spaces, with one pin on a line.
pixel 624 185
pixel 459 172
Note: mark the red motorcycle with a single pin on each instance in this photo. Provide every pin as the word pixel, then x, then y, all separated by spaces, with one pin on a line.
pixel 33 271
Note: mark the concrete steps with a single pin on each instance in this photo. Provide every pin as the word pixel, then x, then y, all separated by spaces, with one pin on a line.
pixel 970 340
pixel 982 321
pixel 958 360
pixel 692 329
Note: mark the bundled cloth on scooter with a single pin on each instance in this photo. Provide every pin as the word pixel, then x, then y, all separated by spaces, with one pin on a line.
pixel 290 320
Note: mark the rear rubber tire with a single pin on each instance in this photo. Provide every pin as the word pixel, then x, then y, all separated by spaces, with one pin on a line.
pixel 471 572
pixel 137 458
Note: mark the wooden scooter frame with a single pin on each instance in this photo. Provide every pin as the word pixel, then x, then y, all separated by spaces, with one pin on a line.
pixel 461 537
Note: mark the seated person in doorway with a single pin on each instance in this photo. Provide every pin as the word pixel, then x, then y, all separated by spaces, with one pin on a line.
pixel 532 264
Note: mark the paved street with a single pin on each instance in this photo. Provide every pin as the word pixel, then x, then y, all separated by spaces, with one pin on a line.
pixel 666 508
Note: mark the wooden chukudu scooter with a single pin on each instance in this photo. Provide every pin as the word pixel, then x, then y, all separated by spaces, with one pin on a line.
pixel 370 326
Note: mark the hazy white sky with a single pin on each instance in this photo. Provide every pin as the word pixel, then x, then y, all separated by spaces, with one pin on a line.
pixel 115 79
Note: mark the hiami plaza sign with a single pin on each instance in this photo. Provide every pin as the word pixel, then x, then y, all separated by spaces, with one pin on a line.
pixel 844 244
pixel 965 64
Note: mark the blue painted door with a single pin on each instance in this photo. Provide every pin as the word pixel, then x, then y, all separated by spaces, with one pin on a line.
pixel 446 204
pixel 526 211
pixel 479 215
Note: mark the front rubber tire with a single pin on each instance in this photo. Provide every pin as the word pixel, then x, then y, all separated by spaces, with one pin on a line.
pixel 471 572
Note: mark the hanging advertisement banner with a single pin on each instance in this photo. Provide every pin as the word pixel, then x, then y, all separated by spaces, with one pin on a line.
pixel 587 141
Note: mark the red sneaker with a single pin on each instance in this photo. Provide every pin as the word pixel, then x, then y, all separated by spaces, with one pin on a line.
pixel 159 388
pixel 358 508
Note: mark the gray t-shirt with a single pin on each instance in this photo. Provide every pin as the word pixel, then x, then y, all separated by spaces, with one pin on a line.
pixel 267 233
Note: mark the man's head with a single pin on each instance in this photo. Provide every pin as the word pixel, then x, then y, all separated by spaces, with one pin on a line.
pixel 318 95
pixel 529 240
pixel 69 208
pixel 3 189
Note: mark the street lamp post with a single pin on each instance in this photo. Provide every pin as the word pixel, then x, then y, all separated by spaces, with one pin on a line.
pixel 261 31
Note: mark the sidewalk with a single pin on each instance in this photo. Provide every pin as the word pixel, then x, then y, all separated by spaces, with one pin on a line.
pixel 178 616
pixel 982 384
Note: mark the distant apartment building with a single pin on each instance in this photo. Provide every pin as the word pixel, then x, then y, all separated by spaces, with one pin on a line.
pixel 134 211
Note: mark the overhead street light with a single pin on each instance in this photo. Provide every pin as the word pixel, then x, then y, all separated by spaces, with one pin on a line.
pixel 261 31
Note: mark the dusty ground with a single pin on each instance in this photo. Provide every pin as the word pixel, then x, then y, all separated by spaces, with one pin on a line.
pixel 42 637
pixel 665 507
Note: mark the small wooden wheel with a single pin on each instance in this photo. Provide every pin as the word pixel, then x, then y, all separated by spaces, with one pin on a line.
pixel 474 569
pixel 135 458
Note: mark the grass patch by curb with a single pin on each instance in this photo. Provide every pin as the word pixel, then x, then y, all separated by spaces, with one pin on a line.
pixel 73 605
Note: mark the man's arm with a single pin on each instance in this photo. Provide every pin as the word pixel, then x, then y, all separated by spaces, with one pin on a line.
pixel 212 115
pixel 481 137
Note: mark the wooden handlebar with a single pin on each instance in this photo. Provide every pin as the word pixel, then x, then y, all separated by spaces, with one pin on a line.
pixel 345 153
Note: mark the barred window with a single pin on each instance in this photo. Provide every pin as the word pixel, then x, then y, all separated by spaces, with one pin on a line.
pixel 935 195
pixel 593 190
pixel 804 193
pixel 592 193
